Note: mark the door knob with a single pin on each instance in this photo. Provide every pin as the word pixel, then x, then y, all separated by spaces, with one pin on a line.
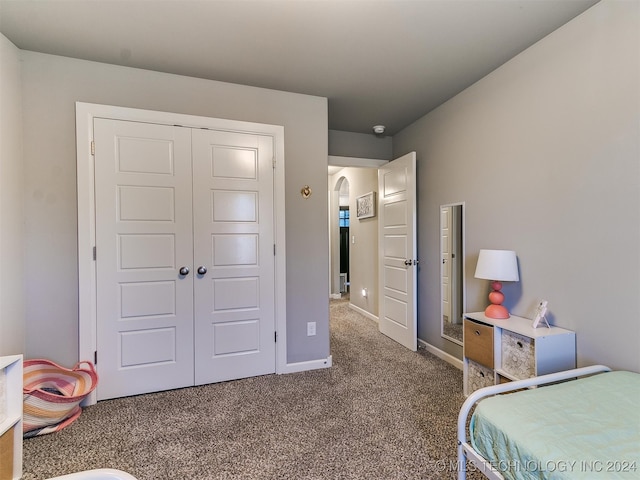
pixel 407 262
pixel 202 270
pixel 184 271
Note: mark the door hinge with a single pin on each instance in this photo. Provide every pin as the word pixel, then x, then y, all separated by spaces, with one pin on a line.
pixel 95 357
pixel 93 147
pixel 94 253
pixel 275 336
pixel 274 162
pixel 274 249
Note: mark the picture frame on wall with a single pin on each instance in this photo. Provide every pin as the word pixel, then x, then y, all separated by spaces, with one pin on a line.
pixel 366 205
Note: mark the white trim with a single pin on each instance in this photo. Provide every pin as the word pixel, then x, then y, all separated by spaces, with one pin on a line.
pixel 363 312
pixel 309 365
pixel 335 296
pixel 441 354
pixel 281 251
pixel 85 115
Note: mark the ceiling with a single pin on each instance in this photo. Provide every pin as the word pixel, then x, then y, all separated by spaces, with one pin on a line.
pixel 383 62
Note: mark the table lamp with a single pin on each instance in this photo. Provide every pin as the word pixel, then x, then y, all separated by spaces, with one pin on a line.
pixel 497 266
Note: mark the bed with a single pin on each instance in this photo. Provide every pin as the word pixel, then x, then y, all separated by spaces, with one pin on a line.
pixel 588 427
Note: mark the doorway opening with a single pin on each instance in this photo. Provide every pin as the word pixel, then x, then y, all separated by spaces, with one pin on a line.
pixel 343 227
pixel 383 289
pixel 339 228
pixel 353 268
pixel 344 249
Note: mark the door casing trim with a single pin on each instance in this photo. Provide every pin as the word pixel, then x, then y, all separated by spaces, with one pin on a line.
pixel 85 114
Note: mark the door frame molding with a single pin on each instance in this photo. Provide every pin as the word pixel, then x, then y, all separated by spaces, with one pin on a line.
pixel 87 294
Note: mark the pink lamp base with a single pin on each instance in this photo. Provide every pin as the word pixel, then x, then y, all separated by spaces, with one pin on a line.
pixel 496 311
pixel 496 297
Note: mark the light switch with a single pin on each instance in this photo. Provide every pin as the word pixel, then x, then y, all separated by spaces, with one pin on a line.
pixel 311 329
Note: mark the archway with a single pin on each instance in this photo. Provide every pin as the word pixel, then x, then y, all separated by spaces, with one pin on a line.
pixel 339 218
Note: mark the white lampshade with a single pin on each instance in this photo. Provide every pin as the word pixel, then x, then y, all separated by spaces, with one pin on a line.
pixel 501 265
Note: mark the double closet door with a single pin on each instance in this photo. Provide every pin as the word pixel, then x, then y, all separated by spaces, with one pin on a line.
pixel 184 256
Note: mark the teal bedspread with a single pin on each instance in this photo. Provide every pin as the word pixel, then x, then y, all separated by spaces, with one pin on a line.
pixel 587 428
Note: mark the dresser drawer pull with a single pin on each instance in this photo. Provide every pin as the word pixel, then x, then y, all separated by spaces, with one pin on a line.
pixel 477 332
pixel 519 344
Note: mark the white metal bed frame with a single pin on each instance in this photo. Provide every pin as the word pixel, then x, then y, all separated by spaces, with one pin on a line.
pixel 466 451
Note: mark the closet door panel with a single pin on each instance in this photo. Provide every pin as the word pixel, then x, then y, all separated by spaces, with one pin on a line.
pixel 233 240
pixel 144 325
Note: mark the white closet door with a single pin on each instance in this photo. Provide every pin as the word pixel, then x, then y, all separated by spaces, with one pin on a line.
pixel 234 242
pixel 143 237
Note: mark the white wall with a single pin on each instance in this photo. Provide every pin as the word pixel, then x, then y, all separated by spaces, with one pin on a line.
pixel 52 85
pixel 545 152
pixel 12 299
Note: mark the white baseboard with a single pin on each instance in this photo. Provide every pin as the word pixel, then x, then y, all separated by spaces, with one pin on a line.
pixel 363 312
pixel 456 362
pixel 310 365
pixel 335 296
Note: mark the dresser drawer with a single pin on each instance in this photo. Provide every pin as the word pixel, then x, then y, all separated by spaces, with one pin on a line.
pixel 6 453
pixel 518 355
pixel 478 376
pixel 478 342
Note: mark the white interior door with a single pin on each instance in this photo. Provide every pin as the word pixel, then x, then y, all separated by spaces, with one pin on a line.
pixel 397 251
pixel 234 250
pixel 143 237
pixel 446 260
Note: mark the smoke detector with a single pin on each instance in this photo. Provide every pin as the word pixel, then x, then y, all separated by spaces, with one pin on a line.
pixel 378 129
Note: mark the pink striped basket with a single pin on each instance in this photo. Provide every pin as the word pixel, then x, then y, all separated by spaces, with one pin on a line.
pixel 52 395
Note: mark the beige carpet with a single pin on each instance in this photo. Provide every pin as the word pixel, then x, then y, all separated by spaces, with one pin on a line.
pixel 381 412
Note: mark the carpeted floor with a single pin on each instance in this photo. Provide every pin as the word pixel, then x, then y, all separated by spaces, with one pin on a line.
pixel 381 412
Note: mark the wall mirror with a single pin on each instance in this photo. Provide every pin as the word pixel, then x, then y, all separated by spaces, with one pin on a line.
pixel 452 296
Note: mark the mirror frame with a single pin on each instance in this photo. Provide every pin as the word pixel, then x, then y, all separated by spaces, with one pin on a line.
pixel 463 279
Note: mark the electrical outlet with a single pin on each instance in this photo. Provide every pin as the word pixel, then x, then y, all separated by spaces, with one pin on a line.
pixel 311 329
